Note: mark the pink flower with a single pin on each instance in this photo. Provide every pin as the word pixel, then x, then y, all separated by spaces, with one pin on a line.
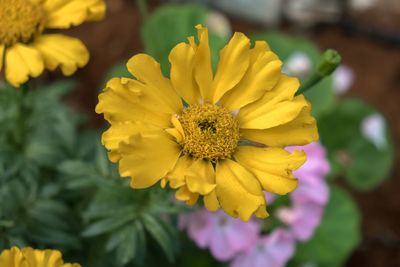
pixel 302 219
pixel 373 128
pixel 273 250
pixel 312 186
pixel 222 234
pixel 343 79
pixel 316 163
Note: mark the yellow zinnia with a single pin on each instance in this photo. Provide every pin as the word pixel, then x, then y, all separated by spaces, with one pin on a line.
pixel 28 257
pixel 24 47
pixel 225 140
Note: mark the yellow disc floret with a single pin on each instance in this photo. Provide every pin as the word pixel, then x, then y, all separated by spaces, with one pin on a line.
pixel 20 21
pixel 211 132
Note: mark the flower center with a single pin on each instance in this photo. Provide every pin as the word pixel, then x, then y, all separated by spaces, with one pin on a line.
pixel 211 132
pixel 20 21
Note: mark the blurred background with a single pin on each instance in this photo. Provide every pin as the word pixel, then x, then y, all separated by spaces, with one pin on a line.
pixel 367 35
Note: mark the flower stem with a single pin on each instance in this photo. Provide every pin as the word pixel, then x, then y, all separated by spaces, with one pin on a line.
pixel 330 60
pixel 143 9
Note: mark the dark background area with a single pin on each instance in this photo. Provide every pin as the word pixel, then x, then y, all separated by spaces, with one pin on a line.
pixel 377 69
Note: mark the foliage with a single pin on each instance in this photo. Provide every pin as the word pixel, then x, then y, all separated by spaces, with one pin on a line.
pixel 336 237
pixel 59 190
pixel 363 165
pixel 37 133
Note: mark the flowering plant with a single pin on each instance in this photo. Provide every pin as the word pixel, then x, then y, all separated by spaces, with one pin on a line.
pixel 231 128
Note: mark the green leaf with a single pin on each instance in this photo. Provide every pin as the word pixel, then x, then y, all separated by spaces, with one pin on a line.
pixel 157 229
pixel 127 248
pixel 107 225
pixel 76 168
pixel 336 237
pixel 363 165
pixel 170 25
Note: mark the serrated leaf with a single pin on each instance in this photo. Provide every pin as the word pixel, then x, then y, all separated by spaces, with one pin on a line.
pixel 141 242
pixel 107 225
pixel 157 230
pixel 76 168
pixel 127 248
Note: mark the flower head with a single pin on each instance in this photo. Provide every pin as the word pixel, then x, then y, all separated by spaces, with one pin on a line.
pixel 302 219
pixel 223 235
pixel 312 186
pixel 273 250
pixel 373 128
pixel 29 257
pixel 27 49
pixel 343 79
pixel 311 196
pixel 218 136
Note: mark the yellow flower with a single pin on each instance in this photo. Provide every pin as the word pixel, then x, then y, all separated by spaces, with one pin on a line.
pixel 226 141
pixel 28 257
pixel 24 47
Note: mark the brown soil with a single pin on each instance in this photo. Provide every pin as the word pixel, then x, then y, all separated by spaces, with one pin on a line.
pixel 377 68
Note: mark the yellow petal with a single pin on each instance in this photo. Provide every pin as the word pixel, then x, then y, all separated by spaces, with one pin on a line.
pixel 42 257
pixel 233 64
pixel 148 158
pixel 272 166
pixel 273 115
pixel 2 48
pixel 211 201
pixel 276 107
pixel 177 131
pixel 176 177
pixel 148 72
pixel 260 47
pixel 60 50
pixel 202 64
pixel 120 133
pixel 128 100
pixel 62 14
pixel 201 177
pixel 183 194
pixel 263 74
pixel 182 74
pixel 12 257
pixel 261 212
pixel 238 191
pixel 21 62
pixel 301 131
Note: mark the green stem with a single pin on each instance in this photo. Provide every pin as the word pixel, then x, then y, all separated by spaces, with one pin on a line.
pixel 330 60
pixel 310 83
pixel 143 9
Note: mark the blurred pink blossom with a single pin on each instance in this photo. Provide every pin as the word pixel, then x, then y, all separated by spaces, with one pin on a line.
pixel 312 186
pixel 343 79
pixel 302 219
pixel 231 239
pixel 223 235
pixel 373 128
pixel 273 250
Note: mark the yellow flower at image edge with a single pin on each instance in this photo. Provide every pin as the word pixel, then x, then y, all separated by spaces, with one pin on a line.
pixel 26 50
pixel 28 257
pixel 226 142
